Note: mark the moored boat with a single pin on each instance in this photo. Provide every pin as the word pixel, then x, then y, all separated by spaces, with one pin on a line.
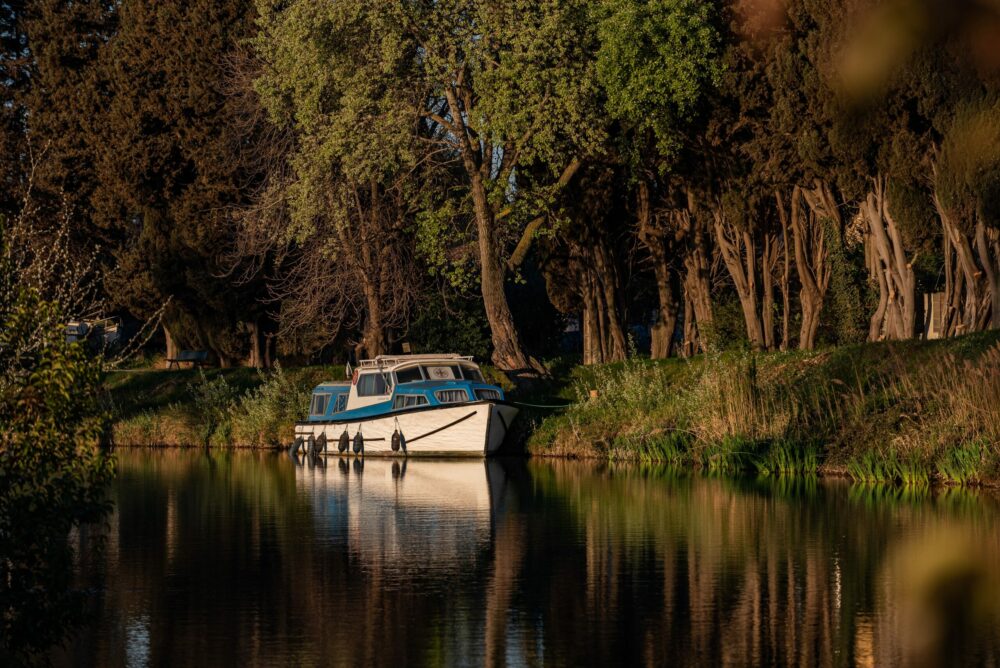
pixel 408 405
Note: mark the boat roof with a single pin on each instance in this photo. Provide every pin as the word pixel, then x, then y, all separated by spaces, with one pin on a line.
pixel 383 361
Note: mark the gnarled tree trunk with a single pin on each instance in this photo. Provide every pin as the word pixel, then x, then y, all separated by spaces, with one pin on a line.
pixel 889 267
pixel 697 284
pixel 972 291
pixel 811 260
pixel 739 253
pixel 988 247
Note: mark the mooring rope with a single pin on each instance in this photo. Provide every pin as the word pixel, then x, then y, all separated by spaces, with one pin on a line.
pixel 549 407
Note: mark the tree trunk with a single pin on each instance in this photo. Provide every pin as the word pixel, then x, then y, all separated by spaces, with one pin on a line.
pixel 697 295
pixel 739 253
pixel 171 345
pixel 607 279
pixel 269 356
pixel 786 296
pixel 971 279
pixel 889 266
pixel 769 261
pixel 373 337
pixel 592 330
pixel 508 354
pixel 667 289
pixel 256 356
pixel 988 247
pixel 810 260
pixel 666 324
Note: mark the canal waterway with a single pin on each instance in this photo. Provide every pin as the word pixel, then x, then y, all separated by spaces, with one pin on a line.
pixel 244 558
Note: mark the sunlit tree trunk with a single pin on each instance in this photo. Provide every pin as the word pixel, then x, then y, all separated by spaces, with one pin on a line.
pixel 888 265
pixel 256 358
pixel 988 247
pixel 508 353
pixel 697 290
pixel 171 344
pixel 739 253
pixel 811 260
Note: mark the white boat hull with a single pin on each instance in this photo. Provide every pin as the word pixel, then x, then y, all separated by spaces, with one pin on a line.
pixel 473 429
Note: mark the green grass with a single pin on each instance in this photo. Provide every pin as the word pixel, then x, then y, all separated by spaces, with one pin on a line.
pixel 240 406
pixel 888 412
pixel 963 465
pixel 784 458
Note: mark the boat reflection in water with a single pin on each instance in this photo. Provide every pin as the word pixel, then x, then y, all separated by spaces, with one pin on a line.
pixel 405 519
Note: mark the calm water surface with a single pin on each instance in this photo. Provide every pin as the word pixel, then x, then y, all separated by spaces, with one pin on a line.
pixel 249 559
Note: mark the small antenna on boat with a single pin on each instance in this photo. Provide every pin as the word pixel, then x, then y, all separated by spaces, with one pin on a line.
pixel 347 370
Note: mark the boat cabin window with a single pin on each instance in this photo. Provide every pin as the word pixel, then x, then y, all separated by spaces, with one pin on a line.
pixel 443 372
pixel 319 404
pixel 472 373
pixel 373 385
pixel 451 396
pixel 409 375
pixel 340 404
pixel 408 400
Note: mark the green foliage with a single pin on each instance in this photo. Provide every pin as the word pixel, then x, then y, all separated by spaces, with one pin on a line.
pixel 874 466
pixel 267 414
pixel 968 180
pixel 668 447
pixel 847 312
pixel 212 401
pixel 730 454
pixel 882 413
pixel 657 59
pixel 53 468
pixel 785 458
pixel 963 465
pixel 457 324
pixel 174 162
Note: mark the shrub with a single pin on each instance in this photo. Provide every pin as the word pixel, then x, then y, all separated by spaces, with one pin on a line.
pixel 213 400
pixel 54 468
pixel 267 414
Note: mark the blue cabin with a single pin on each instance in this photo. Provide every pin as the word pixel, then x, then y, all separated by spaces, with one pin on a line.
pixel 388 385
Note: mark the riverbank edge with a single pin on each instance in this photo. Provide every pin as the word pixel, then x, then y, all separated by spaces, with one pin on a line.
pixel 912 412
pixel 727 412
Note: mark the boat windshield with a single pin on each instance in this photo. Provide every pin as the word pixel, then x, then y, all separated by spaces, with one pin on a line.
pixel 410 374
pixel 472 373
pixel 414 374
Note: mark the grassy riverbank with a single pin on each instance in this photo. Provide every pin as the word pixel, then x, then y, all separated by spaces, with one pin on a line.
pixel 219 407
pixel 239 407
pixel 909 412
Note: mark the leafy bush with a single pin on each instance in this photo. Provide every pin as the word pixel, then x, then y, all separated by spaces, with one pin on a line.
pixel 263 416
pixel 213 401
pixel 53 468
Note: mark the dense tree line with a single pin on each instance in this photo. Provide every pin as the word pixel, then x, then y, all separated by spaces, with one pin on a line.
pixel 340 175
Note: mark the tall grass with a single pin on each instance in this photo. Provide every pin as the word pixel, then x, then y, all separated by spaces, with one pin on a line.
pixel 267 415
pixel 215 412
pixel 880 413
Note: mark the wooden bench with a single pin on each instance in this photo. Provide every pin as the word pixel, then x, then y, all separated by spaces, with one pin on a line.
pixel 196 358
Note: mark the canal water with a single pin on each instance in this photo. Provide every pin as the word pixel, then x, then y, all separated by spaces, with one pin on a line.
pixel 251 559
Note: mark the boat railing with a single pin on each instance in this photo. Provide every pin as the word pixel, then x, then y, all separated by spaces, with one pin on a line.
pixel 392 360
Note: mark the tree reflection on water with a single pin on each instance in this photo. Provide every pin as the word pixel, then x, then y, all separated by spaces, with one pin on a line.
pixel 245 558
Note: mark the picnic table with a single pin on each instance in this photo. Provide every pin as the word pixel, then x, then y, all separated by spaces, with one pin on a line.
pixel 196 358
